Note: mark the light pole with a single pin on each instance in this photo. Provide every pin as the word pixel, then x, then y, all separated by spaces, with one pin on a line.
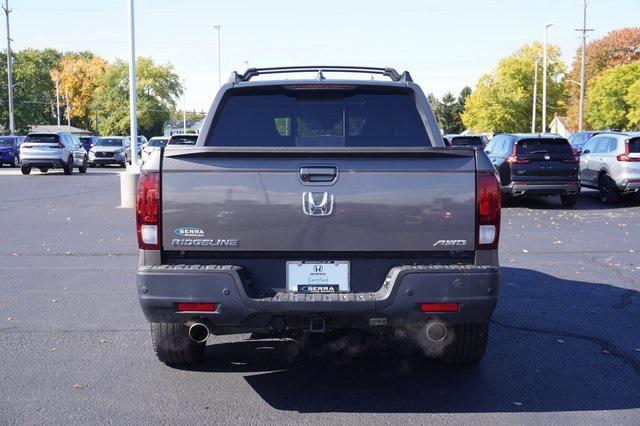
pixel 129 179
pixel 217 27
pixel 535 95
pixel 184 108
pixel 133 100
pixel 12 126
pixel 544 81
pixel 66 97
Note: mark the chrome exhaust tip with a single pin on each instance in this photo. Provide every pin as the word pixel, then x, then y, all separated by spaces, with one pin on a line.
pixel 436 331
pixel 198 332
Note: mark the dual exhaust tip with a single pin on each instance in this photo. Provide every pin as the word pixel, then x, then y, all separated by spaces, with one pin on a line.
pixel 198 332
pixel 435 330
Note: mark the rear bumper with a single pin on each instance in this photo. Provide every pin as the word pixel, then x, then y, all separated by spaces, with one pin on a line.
pixel 396 303
pixel 43 160
pixel 518 188
pixel 630 186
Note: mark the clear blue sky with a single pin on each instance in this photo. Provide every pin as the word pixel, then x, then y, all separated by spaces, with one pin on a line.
pixel 446 44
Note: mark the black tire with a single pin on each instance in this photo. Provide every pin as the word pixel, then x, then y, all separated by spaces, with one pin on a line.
pixel 83 168
pixel 468 346
pixel 608 191
pixel 25 170
pixel 507 199
pixel 569 200
pixel 43 170
pixel 68 168
pixel 172 345
pixel 15 162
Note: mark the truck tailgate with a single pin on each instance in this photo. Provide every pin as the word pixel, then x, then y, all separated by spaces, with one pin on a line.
pixel 383 200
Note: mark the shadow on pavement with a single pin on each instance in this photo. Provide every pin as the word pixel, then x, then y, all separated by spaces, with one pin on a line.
pixel 555 345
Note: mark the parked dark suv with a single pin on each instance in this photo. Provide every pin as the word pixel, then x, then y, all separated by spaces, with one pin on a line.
pixel 535 164
pixel 469 140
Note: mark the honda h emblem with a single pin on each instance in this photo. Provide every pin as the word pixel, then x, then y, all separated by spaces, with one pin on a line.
pixel 317 203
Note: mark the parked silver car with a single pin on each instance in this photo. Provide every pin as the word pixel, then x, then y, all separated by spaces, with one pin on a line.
pixel 155 143
pixel 111 150
pixel 52 150
pixel 610 162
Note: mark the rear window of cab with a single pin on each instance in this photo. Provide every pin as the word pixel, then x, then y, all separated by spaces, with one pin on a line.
pixel 319 118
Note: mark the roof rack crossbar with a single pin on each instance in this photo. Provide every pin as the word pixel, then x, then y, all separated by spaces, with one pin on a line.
pixel 387 72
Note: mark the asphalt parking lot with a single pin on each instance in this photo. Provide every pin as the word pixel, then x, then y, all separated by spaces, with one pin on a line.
pixel 564 343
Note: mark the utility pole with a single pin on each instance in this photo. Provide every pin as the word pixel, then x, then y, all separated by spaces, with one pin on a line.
pixel 544 81
pixel 12 125
pixel 58 101
pixel 584 31
pixel 217 27
pixel 535 95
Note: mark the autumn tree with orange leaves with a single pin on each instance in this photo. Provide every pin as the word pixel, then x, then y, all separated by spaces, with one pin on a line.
pixel 79 76
pixel 619 47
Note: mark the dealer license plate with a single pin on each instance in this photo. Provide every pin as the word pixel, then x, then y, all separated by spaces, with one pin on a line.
pixel 318 277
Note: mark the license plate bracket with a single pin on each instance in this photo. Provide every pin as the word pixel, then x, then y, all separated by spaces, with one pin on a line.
pixel 318 277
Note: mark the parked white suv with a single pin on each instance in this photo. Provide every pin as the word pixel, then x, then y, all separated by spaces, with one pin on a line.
pixel 52 150
pixel 610 162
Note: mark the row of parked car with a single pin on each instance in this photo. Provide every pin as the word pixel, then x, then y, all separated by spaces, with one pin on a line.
pixel 547 164
pixel 63 150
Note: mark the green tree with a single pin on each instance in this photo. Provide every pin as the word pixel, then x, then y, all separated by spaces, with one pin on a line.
pixel 619 47
pixel 158 87
pixel 502 99
pixel 633 100
pixel 449 116
pixel 613 98
pixel 34 92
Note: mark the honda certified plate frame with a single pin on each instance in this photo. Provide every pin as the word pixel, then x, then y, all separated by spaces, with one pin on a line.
pixel 318 277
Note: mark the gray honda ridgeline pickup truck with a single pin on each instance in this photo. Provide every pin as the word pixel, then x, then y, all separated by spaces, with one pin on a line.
pixel 312 206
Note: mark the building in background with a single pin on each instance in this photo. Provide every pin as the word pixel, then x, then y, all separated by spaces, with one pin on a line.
pixel 177 127
pixel 560 126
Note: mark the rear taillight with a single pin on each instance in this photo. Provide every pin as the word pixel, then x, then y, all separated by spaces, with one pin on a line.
pixel 626 156
pixel 514 158
pixel 488 210
pixel 148 211
pixel 571 160
pixel 59 145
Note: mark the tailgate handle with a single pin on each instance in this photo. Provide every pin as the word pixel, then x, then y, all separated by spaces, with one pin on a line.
pixel 318 174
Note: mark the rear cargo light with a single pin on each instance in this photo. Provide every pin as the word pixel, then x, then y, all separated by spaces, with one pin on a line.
pixel 148 211
pixel 439 307
pixel 197 307
pixel 488 210
pixel 626 157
